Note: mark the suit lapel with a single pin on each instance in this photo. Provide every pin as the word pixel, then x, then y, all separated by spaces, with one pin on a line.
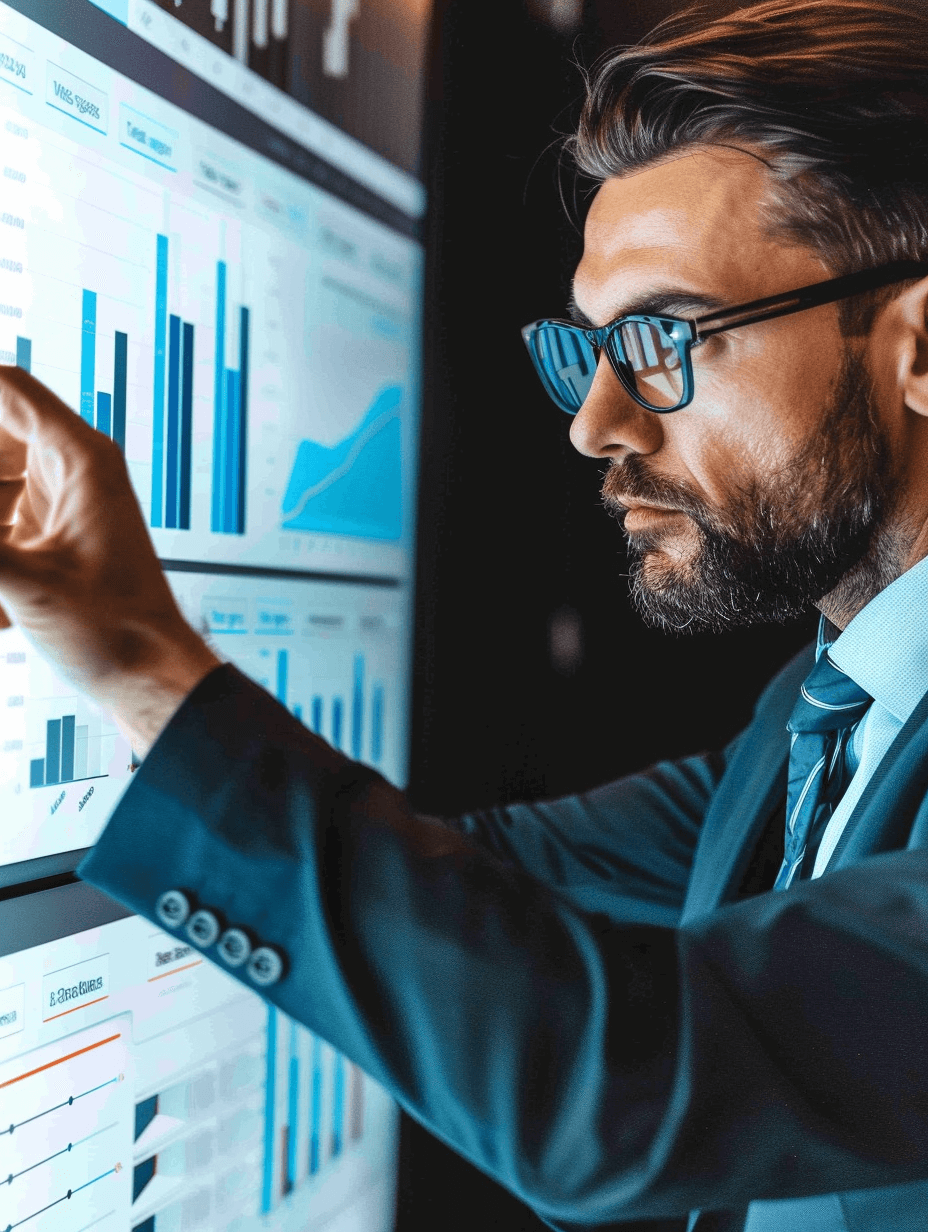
pixel 886 814
pixel 752 787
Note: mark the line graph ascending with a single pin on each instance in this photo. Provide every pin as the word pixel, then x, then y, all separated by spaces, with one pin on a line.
pixel 62 1151
pixel 354 487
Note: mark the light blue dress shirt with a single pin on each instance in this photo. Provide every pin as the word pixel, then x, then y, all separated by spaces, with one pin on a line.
pixel 884 649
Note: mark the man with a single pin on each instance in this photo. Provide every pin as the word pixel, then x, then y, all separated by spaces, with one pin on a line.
pixel 703 987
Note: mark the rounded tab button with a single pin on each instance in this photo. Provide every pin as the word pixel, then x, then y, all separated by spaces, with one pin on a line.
pixel 172 908
pixel 234 947
pixel 265 966
pixel 202 928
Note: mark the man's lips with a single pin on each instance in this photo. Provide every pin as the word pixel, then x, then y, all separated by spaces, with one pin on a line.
pixel 639 514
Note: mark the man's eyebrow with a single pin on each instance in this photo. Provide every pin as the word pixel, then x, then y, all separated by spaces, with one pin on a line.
pixel 674 301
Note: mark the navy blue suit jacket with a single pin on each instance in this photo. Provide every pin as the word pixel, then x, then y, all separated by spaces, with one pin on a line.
pixel 569 993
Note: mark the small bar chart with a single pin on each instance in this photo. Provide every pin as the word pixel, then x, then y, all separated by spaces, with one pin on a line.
pixel 230 423
pixel 72 754
pixel 105 411
pixel 315 1109
pixel 172 406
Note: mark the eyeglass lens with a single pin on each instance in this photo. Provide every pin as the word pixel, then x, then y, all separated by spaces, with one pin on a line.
pixel 654 362
pixel 646 357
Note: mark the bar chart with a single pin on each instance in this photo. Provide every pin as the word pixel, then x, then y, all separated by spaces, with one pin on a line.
pixel 327 716
pixel 230 420
pixel 315 1109
pixel 105 411
pixel 72 753
pixel 172 406
pixel 333 653
pixel 254 352
pixel 63 762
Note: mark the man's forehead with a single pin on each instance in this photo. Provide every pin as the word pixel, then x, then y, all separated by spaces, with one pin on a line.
pixel 699 221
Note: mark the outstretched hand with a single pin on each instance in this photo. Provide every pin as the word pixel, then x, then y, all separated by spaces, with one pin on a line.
pixel 78 572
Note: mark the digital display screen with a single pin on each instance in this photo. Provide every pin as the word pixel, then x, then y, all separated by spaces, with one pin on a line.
pixel 233 294
pixel 250 339
pixel 143 1088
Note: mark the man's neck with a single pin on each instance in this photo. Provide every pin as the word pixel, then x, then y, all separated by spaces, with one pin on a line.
pixel 892 551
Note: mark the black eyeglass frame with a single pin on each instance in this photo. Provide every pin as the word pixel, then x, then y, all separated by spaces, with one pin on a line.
pixel 687 333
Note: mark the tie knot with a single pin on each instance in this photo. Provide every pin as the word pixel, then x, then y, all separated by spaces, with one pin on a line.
pixel 829 699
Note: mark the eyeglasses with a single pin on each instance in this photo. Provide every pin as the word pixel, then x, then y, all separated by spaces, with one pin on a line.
pixel 651 355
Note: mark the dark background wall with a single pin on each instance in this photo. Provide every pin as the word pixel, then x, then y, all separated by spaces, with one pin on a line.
pixel 533 676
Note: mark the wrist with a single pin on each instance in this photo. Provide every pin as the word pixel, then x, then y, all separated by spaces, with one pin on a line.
pixel 146 692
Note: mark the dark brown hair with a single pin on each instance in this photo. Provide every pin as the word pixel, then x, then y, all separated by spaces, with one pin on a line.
pixel 832 94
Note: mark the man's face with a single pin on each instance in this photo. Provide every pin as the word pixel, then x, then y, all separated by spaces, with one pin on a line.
pixel 758 497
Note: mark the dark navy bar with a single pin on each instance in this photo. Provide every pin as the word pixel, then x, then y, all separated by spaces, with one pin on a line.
pixel 186 429
pixel 53 751
pixel 67 748
pixel 120 364
pixel 243 359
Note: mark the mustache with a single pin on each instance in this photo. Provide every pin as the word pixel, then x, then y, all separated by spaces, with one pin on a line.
pixel 632 480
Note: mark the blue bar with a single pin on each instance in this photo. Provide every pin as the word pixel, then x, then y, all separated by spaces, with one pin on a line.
pixel 219 410
pixel 24 354
pixel 104 413
pixel 230 471
pixel 282 676
pixel 120 365
pixel 67 749
pixel 338 1110
pixel 357 708
pixel 161 329
pixel 298 712
pixel 316 1107
pixel 316 721
pixel 37 772
pixel 186 430
pixel 270 1093
pixel 53 751
pixel 377 724
pixel 173 442
pixel 337 713
pixel 293 1108
pixel 242 443
pixel 88 353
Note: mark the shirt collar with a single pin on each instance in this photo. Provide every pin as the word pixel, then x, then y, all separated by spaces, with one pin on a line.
pixel 884 649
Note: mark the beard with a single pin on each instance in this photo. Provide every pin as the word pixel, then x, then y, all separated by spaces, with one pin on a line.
pixel 817 527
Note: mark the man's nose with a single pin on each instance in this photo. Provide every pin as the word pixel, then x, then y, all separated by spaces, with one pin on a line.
pixel 611 423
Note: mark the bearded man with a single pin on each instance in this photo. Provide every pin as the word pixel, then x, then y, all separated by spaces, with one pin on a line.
pixel 698 995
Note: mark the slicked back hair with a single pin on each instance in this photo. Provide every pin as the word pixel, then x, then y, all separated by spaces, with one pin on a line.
pixel 832 94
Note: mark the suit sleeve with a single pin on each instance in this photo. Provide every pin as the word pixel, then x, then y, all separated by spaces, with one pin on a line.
pixel 601 1071
pixel 623 850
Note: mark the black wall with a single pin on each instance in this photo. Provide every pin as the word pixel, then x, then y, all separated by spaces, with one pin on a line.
pixel 512 533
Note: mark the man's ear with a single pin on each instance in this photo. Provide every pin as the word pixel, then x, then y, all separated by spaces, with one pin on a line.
pixel 906 324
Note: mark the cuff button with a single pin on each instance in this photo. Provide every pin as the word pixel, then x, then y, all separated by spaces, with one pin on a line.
pixel 172 908
pixel 265 966
pixel 202 929
pixel 234 947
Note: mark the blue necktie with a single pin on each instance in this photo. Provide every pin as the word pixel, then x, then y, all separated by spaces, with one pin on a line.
pixel 829 706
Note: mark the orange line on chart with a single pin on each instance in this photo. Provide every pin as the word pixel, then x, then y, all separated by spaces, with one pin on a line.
pixel 74 1008
pixel 176 971
pixel 61 1060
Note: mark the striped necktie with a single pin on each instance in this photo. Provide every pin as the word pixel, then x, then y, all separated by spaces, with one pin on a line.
pixel 829 706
